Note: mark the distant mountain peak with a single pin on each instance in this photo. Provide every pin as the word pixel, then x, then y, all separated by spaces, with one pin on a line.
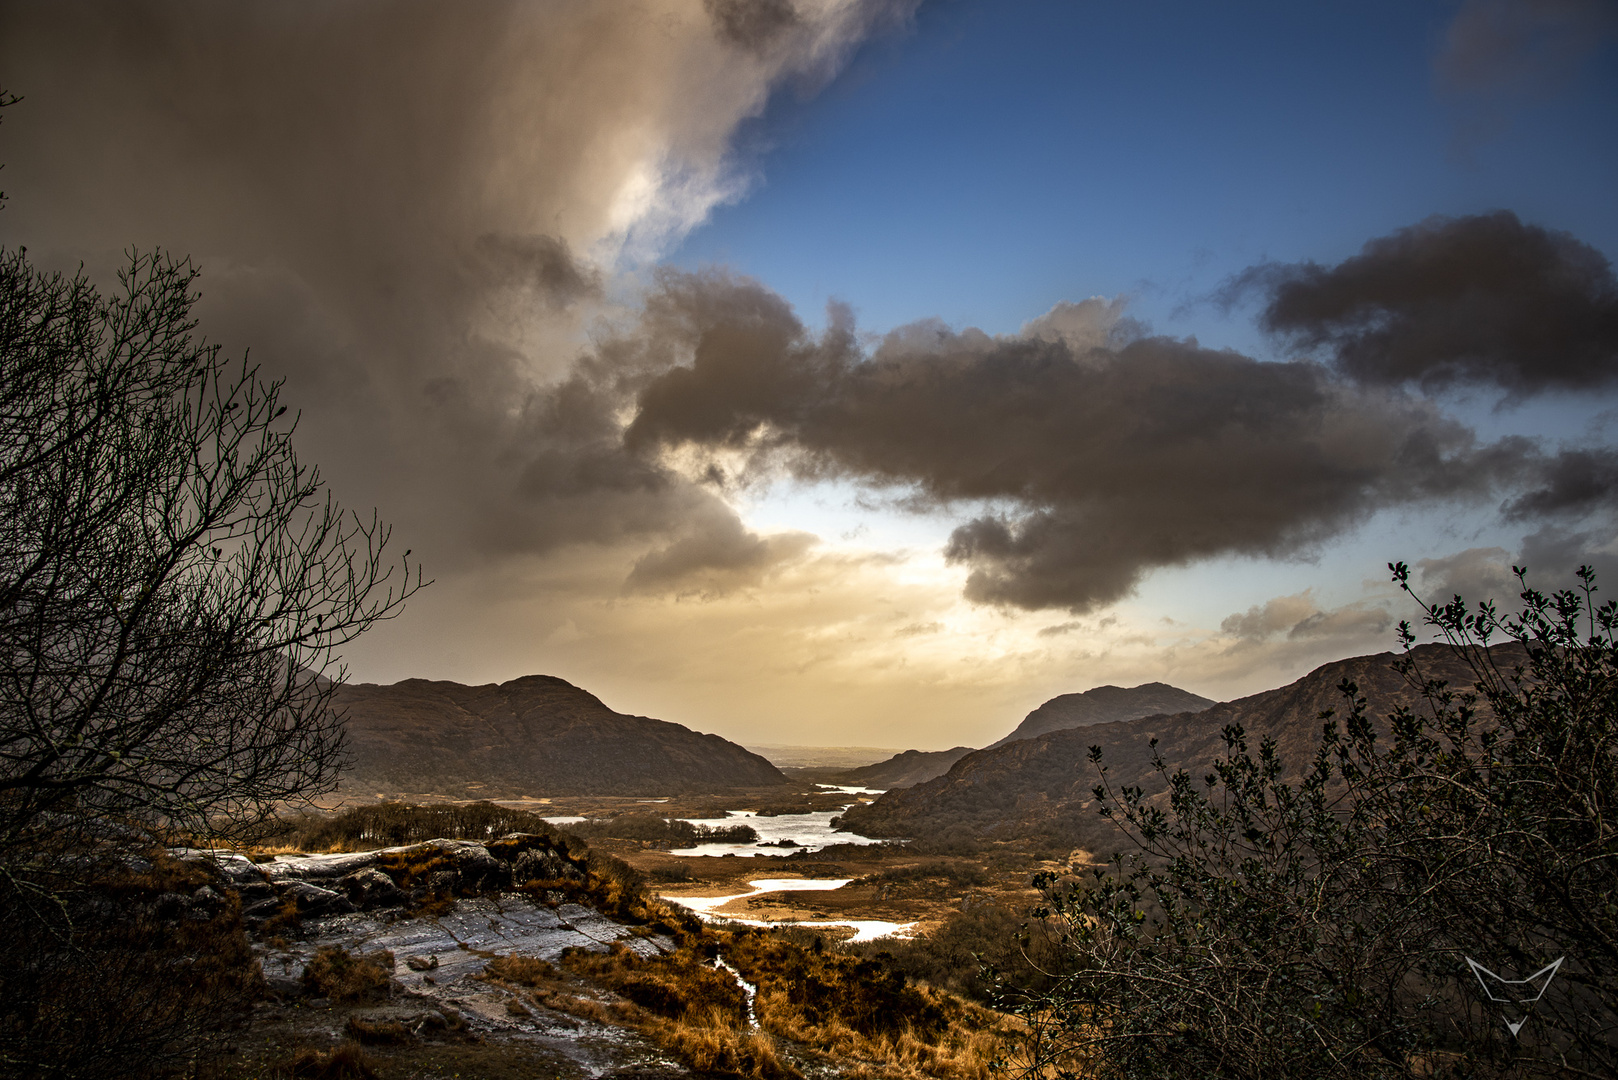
pixel 1045 785
pixel 1106 705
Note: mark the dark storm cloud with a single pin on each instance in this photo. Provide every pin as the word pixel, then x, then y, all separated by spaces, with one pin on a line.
pixel 411 209
pixel 1095 464
pixel 1572 483
pixel 407 210
pixel 1484 300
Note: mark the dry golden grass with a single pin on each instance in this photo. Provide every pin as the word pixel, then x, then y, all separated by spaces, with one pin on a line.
pixel 676 987
pixel 685 1005
pixel 346 1062
pixel 859 1013
pixel 850 1011
pixel 377 1032
pixel 958 1054
pixel 714 1042
pixel 520 970
pixel 336 974
pixel 285 920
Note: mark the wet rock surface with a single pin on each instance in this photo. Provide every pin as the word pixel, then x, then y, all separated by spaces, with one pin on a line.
pixel 433 916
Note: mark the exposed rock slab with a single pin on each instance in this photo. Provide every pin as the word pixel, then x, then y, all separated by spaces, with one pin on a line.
pixel 438 958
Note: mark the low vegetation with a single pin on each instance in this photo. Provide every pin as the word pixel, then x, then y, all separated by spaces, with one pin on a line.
pixel 395 824
pixel 1322 927
pixel 866 1019
pixel 862 1014
pixel 662 832
pixel 335 974
pixel 149 935
pixel 944 872
pixel 392 824
pixel 987 952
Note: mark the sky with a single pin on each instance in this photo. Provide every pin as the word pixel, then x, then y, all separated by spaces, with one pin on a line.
pixel 866 372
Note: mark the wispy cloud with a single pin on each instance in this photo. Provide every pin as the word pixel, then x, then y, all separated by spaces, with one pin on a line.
pixel 1497 56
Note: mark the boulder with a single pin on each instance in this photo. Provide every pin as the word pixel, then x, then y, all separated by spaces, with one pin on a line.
pixel 542 864
pixel 370 888
pixel 318 867
pixel 314 900
pixel 479 871
pixel 231 868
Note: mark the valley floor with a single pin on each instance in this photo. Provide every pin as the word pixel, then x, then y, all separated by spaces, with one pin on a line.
pixel 498 984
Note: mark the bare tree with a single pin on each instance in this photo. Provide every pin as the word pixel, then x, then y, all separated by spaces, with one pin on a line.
pixel 173 581
pixel 174 586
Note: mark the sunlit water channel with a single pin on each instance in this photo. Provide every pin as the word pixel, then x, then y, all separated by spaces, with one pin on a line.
pixel 706 907
pixel 780 835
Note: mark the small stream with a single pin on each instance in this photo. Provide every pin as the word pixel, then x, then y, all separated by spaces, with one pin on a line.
pixel 749 990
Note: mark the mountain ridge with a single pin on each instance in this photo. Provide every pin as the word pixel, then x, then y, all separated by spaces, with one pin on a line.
pixel 1103 705
pixel 904 769
pixel 1100 704
pixel 537 735
pixel 1043 787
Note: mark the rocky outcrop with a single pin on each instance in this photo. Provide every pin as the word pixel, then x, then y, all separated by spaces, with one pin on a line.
pixel 427 920
pixel 317 886
pixel 535 736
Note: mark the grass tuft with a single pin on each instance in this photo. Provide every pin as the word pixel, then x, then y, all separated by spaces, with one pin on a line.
pixel 336 974
pixel 346 1062
pixel 377 1032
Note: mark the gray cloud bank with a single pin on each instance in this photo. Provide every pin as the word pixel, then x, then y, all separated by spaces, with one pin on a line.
pixel 1498 56
pixel 1093 456
pixel 1521 46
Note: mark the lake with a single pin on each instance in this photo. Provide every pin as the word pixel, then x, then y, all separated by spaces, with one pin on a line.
pixel 807 832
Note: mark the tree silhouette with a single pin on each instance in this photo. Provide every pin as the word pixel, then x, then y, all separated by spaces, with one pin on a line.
pixel 173 581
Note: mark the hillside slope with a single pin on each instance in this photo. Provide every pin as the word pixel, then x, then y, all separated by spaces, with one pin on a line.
pixel 1098 706
pixel 1041 788
pixel 1105 705
pixel 536 736
pixel 904 769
